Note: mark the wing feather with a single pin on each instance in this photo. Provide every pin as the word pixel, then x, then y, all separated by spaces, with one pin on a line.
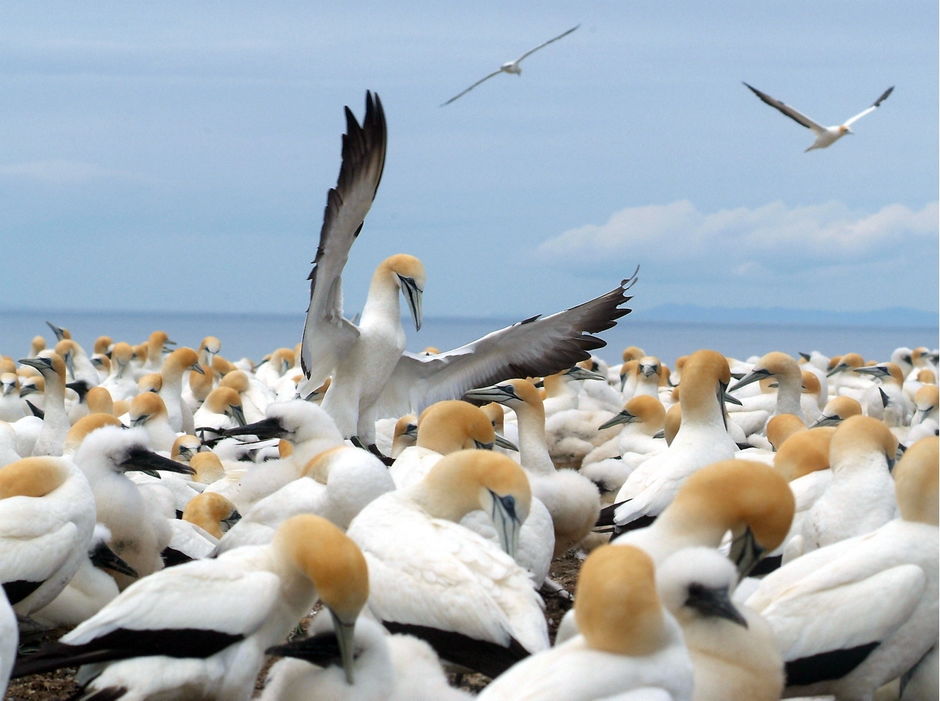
pixel 793 114
pixel 536 346
pixel 546 43
pixel 327 334
pixel 464 92
pixel 875 105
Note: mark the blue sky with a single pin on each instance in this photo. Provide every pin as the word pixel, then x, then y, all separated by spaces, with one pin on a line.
pixel 176 155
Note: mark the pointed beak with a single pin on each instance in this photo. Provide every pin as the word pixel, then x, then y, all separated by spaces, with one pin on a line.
pixel 237 414
pixel 345 635
pixel 105 558
pixel 231 519
pixel 39 363
pixel 480 445
pixel 579 373
pixel 196 367
pixel 748 379
pixel 504 442
pixel 266 428
pixel 413 298
pixel 837 369
pixel 149 462
pixel 624 417
pixel 141 420
pixel 57 330
pixel 873 370
pixel 745 553
pixel 714 603
pixel 506 521
pixel 730 399
pixel 827 420
pixel 494 393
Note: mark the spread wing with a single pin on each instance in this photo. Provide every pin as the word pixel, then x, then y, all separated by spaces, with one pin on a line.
pixel 793 114
pixel 546 43
pixel 464 92
pixel 326 333
pixel 534 347
pixel 875 105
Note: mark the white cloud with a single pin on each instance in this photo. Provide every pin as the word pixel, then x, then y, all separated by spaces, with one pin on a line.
pixel 60 172
pixel 749 241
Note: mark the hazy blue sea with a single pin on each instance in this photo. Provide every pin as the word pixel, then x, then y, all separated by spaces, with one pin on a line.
pixel 254 336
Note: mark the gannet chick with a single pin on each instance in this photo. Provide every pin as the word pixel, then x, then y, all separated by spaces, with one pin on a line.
pixel 199 630
pixel 733 650
pixel 465 596
pixel 859 497
pixel 55 424
pixel 856 614
pixel 628 640
pixel 572 500
pixel 171 372
pixel 395 667
pixel 443 428
pixel 701 440
pixel 335 484
pixel 47 517
pixel 139 532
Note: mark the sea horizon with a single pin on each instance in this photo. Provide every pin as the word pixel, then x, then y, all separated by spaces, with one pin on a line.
pixel 255 334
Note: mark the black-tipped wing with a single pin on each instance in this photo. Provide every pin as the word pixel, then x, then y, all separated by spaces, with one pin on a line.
pixel 193 610
pixel 464 92
pixel 546 43
pixel 875 105
pixel 326 333
pixel 793 114
pixel 533 347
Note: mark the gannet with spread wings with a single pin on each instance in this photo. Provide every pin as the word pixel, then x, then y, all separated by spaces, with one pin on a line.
pixel 372 376
pixel 825 136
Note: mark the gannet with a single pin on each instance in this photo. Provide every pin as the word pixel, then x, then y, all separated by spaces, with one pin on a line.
pixel 837 410
pixel 47 517
pixel 443 428
pixel 572 500
pixel 825 136
pixel 856 614
pixel 77 363
pixel 199 630
pixel 512 67
pixel 788 376
pixel 55 423
pixel 701 440
pixel 733 650
pixel 12 406
pixel 149 411
pixel 859 497
pixel 174 365
pixel 360 356
pixel 433 578
pixel 749 499
pixel 222 409
pixel 627 641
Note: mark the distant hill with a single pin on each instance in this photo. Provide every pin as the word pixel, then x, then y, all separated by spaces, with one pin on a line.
pixel 890 317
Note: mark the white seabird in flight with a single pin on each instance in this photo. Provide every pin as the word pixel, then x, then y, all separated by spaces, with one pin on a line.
pixel 511 66
pixel 825 136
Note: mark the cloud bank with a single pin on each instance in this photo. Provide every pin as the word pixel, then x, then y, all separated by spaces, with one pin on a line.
pixel 747 242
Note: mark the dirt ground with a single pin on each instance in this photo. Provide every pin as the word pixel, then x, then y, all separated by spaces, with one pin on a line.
pixel 60 685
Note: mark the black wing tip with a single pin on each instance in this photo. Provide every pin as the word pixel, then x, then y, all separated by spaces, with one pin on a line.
pixel 884 96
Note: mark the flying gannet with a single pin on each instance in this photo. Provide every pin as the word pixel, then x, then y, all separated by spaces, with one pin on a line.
pixel 825 136
pixel 510 66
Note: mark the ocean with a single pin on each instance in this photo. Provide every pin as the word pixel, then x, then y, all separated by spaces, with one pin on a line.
pixel 255 335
